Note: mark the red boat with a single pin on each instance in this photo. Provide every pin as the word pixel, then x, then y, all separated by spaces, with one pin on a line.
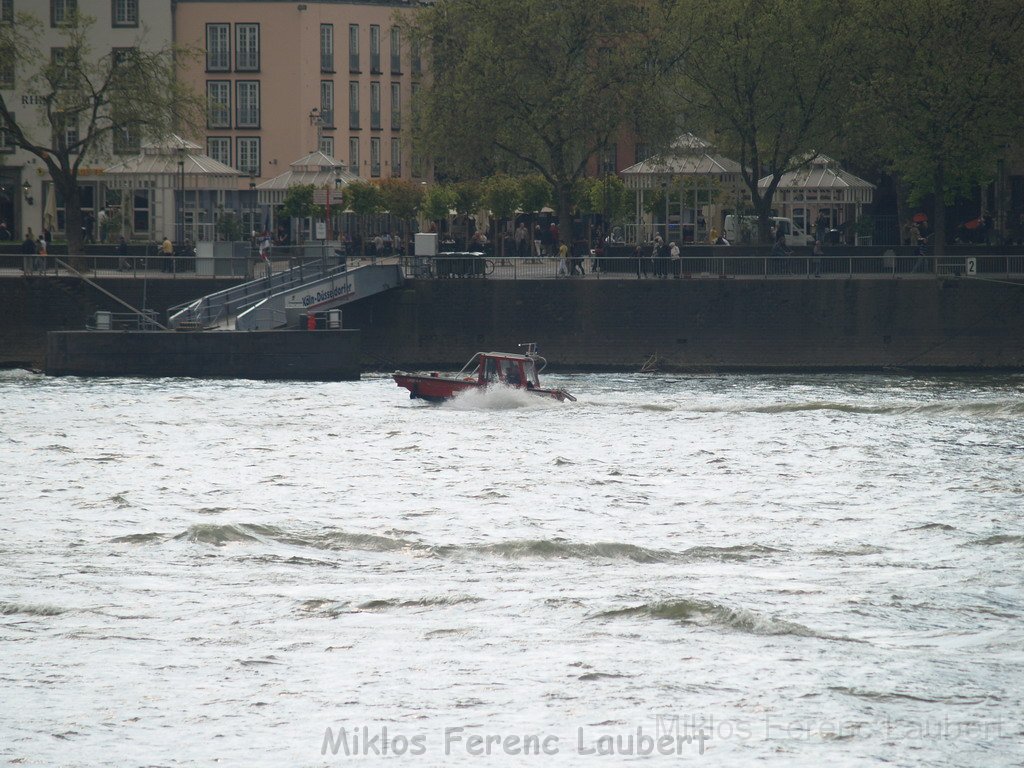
pixel 484 369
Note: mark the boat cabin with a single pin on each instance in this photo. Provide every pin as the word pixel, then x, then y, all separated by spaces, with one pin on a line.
pixel 518 371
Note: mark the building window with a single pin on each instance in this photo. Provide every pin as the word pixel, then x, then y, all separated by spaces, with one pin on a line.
pixel 375 156
pixel 353 105
pixel 248 154
pixel 327 145
pixel 140 211
pixel 63 64
pixel 374 49
pixel 326 47
pixel 353 47
pixel 247 47
pixel 417 166
pixel 327 103
pixel 247 101
pixel 607 164
pixel 375 106
pixel 218 103
pixel 219 148
pixel 396 51
pixel 7 139
pixel 7 11
pixel 124 13
pixel 396 107
pixel 417 61
pixel 218 48
pixel 396 157
pixel 62 11
pixel 642 152
pixel 6 69
pixel 353 155
pixel 65 131
pixel 125 140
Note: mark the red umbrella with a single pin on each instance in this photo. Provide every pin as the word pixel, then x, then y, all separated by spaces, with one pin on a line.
pixel 973 224
pixel 920 218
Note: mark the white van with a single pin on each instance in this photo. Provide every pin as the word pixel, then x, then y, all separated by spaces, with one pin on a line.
pixel 743 229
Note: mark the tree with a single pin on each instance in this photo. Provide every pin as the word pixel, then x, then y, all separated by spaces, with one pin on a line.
pixel 89 103
pixel 503 196
pixel 766 79
pixel 610 198
pixel 401 199
pixel 438 202
pixel 536 85
pixel 944 94
pixel 363 199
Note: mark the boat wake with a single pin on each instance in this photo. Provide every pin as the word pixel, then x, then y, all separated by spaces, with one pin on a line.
pixel 498 399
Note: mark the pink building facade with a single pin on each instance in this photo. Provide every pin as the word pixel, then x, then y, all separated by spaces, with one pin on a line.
pixel 283 79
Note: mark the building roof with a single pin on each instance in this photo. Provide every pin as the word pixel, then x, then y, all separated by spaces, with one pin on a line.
pixel 317 168
pixel 163 163
pixel 822 172
pixel 688 155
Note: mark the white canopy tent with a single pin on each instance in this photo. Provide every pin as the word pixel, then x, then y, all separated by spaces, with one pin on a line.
pixel 182 190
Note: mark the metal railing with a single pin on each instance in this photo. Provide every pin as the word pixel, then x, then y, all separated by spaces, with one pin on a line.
pixel 218 307
pixel 734 264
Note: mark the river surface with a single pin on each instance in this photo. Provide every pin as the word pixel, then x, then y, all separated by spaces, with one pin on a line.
pixel 719 570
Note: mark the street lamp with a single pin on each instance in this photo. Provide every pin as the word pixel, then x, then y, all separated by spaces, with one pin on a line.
pixel 181 195
pixel 315 118
pixel 252 202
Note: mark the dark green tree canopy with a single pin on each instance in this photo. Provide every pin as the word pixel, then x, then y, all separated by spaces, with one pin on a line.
pixel 536 86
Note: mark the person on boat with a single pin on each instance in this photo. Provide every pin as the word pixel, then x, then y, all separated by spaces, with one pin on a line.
pixel 512 377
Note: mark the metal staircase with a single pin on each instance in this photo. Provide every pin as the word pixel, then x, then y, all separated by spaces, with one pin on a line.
pixel 278 300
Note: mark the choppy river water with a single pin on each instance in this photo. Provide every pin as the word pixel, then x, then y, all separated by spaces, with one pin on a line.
pixel 722 570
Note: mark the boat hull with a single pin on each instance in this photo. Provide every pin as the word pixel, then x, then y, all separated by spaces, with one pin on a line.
pixel 440 388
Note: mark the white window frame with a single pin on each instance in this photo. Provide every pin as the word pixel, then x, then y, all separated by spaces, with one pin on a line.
pixel 124 13
pixel 396 156
pixel 60 10
pixel 353 47
pixel 327 145
pixel 353 104
pixel 223 108
pixel 375 49
pixel 327 102
pixel 353 154
pixel 326 47
pixel 375 156
pixel 247 47
pixel 247 103
pixel 218 47
pixel 247 153
pixel 396 50
pixel 219 148
pixel 375 106
pixel 396 106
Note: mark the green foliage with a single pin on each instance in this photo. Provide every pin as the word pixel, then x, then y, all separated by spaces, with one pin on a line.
pixel 298 202
pixel 537 192
pixel 768 81
pixel 400 198
pixel 609 196
pixel 519 83
pixel 437 202
pixel 468 197
pixel 363 198
pixel 502 195
pixel 229 227
pixel 942 97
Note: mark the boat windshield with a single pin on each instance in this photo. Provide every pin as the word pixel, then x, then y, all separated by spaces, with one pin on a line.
pixel 490 369
pixel 531 373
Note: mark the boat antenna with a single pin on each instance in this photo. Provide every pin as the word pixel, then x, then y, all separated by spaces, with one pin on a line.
pixel 531 348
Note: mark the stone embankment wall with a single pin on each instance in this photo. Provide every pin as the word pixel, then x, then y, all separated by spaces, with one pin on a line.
pixel 700 325
pixel 695 325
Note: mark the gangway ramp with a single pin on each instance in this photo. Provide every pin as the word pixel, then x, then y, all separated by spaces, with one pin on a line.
pixel 264 300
